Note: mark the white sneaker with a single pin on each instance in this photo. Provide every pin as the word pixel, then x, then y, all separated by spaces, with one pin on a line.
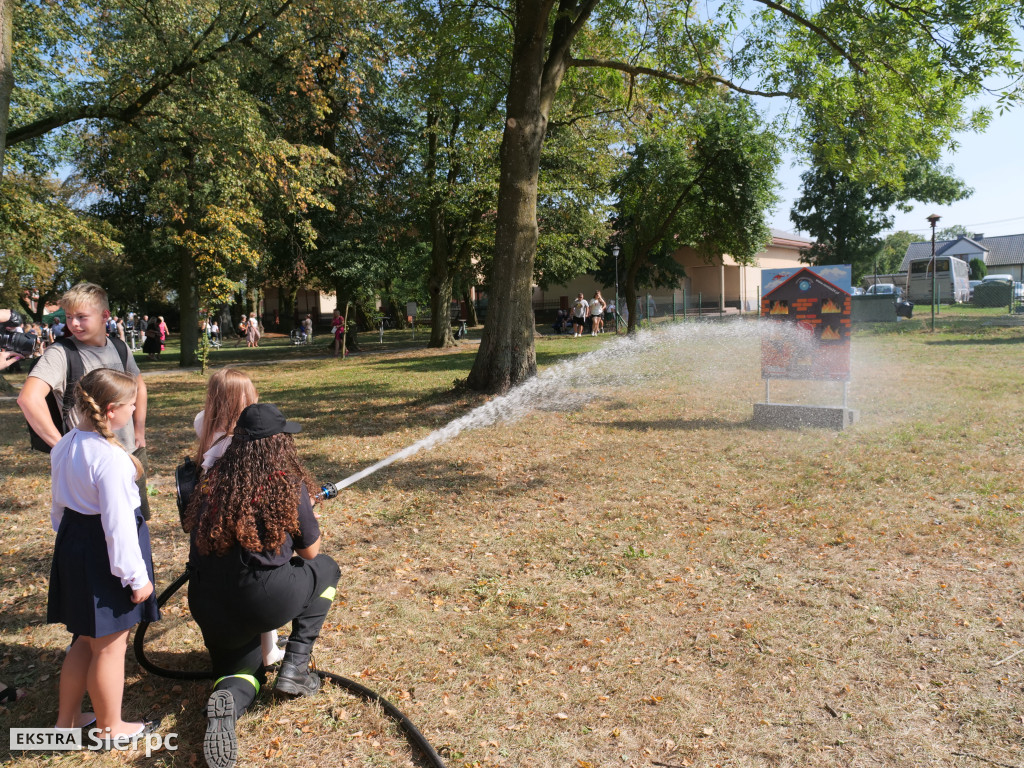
pixel 273 657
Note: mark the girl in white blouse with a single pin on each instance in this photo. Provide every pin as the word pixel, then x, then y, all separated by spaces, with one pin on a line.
pixel 101 579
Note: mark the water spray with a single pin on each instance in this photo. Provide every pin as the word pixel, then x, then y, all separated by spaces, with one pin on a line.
pixel 555 388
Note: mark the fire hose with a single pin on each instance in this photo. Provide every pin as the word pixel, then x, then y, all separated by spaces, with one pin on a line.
pixel 412 734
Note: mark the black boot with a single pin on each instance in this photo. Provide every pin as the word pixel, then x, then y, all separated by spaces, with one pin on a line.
pixel 295 678
pixel 220 745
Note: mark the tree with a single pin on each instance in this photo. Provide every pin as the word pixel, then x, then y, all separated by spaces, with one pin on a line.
pixel 704 181
pixel 978 269
pixel 93 60
pixel 902 71
pixel 6 71
pixel 845 215
pixel 208 162
pixel 893 249
pixel 952 232
pixel 49 241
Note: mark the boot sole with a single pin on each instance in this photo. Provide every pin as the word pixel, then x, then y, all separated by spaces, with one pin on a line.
pixel 220 745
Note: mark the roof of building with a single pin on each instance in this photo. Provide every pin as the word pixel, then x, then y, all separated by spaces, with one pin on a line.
pixel 996 251
pixel 789 240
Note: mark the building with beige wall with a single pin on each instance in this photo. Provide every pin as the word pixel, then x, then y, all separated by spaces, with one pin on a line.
pixel 720 284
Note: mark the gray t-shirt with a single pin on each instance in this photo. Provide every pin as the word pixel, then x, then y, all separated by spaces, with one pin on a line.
pixel 53 365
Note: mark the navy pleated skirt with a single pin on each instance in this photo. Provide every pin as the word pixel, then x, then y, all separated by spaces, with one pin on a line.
pixel 84 595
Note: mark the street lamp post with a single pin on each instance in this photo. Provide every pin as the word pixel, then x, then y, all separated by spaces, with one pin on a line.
pixel 933 220
pixel 615 319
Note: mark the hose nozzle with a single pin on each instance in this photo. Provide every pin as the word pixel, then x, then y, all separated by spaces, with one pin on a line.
pixel 327 491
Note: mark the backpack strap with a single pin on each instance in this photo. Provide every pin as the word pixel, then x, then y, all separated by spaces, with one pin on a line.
pixel 72 373
pixel 76 369
pixel 122 352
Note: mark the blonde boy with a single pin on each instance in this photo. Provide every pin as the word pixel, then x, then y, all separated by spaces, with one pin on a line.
pixel 87 313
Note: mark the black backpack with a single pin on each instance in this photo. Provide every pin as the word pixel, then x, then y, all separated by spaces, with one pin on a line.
pixel 60 414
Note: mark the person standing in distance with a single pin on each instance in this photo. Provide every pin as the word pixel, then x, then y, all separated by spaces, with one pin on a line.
pixel 87 312
pixel 597 308
pixel 580 309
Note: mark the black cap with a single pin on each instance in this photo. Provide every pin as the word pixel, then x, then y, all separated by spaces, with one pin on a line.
pixel 264 420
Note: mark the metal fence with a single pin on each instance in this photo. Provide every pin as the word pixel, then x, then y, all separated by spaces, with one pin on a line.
pixel 652 306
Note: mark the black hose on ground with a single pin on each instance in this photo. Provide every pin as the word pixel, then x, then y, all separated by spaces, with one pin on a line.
pixel 412 734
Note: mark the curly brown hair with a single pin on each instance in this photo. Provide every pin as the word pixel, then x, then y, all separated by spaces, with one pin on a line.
pixel 250 497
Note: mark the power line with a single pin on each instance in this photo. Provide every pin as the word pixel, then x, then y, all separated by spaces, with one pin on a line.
pixel 968 226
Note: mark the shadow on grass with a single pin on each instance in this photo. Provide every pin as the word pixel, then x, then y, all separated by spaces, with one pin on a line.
pixel 681 425
pixel 421 474
pixel 975 341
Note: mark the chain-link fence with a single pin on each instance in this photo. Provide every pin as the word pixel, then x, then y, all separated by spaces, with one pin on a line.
pixel 649 307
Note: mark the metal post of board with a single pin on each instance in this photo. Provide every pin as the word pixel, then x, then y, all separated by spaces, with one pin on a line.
pixel 673 306
pixel 684 303
pixel 767 390
pixel 758 306
pixel 700 304
pixel 846 392
pixel 721 305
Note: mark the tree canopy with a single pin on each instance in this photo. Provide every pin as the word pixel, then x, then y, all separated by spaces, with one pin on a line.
pixel 420 147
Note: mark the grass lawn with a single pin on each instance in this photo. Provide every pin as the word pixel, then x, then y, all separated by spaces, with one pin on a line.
pixel 643 579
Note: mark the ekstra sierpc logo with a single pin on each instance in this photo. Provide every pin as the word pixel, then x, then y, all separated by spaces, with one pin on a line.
pixel 94 739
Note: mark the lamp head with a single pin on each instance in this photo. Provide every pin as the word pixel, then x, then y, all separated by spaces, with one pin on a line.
pixel 933 219
pixel 615 251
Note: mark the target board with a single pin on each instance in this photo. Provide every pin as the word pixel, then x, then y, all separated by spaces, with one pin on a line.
pixel 812 339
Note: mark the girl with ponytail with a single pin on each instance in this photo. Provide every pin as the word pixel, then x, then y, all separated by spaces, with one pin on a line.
pixel 228 393
pixel 101 578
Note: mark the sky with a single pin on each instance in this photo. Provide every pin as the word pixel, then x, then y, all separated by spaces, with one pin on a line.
pixel 991 163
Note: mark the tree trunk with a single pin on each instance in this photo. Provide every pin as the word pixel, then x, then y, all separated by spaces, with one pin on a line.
pixel 397 308
pixel 6 86
pixel 630 289
pixel 188 303
pixel 472 321
pixel 440 285
pixel 287 297
pixel 507 356
pixel 351 322
pixel 6 72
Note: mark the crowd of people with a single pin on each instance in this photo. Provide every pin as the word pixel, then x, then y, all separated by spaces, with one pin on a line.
pixel 255 559
pixel 583 316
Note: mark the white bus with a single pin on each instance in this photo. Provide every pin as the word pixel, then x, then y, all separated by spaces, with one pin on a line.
pixel 951 280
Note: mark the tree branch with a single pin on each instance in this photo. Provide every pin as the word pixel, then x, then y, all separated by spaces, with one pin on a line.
pixel 701 80
pixel 667 220
pixel 835 46
pixel 108 111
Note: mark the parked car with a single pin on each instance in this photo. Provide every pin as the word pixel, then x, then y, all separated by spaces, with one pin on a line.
pixel 1018 290
pixel 885 289
pixel 970 288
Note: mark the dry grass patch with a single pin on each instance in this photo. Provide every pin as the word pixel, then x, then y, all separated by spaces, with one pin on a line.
pixel 646 578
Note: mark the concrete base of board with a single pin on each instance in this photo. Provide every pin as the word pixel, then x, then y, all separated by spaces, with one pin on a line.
pixel 789 416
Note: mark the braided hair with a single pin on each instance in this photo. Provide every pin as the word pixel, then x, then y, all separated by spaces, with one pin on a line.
pixel 99 391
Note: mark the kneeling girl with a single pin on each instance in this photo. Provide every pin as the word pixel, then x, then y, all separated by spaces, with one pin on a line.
pixel 256 564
